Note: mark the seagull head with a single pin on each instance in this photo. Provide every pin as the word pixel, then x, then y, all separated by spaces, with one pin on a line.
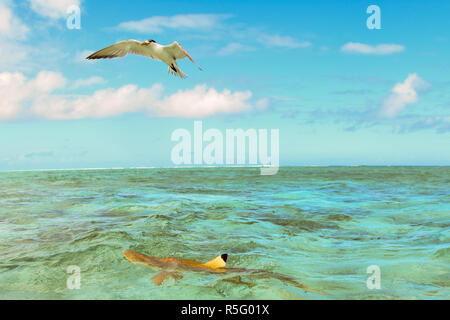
pixel 147 42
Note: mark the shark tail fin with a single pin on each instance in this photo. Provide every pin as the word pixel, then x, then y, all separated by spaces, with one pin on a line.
pixel 218 262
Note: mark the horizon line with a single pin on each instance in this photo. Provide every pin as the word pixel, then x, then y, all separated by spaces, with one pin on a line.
pixel 221 166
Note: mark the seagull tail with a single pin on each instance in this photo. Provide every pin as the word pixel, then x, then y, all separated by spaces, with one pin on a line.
pixel 173 69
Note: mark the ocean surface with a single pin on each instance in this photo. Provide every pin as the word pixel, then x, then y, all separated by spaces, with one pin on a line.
pixel 323 226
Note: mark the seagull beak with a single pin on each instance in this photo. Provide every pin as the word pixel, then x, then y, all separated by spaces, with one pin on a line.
pixel 143 43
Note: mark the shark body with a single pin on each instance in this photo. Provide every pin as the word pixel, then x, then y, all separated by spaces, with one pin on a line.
pixel 172 267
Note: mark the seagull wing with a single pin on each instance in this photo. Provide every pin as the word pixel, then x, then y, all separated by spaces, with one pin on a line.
pixel 121 49
pixel 178 52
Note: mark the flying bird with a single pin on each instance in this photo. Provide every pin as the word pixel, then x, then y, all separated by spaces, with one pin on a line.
pixel 167 54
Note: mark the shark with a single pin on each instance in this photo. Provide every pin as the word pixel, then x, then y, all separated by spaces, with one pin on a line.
pixel 172 267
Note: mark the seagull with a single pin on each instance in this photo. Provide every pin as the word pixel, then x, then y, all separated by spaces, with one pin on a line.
pixel 167 54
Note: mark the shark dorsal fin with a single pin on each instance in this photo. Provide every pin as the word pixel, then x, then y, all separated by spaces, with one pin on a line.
pixel 218 262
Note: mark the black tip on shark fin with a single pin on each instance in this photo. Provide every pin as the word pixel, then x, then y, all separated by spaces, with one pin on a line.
pixel 217 262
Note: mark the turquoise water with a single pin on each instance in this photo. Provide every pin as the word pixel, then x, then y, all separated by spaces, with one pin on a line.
pixel 321 225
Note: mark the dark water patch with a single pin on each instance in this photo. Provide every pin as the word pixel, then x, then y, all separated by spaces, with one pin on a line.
pixel 22 221
pixel 160 217
pixel 126 210
pixel 339 217
pixel 238 247
pixel 200 190
pixel 304 225
pixel 443 255
pixel 431 224
pixel 100 235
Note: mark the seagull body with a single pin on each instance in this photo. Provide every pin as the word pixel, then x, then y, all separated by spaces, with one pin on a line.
pixel 167 54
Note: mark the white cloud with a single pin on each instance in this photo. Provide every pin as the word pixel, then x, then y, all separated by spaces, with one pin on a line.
pixel 88 82
pixel 46 82
pixel 402 94
pixel 157 24
pixel 10 25
pixel 201 102
pixel 37 98
pixel 381 49
pixel 440 123
pixel 282 41
pixel 262 104
pixel 234 47
pixel 103 103
pixel 15 90
pixel 11 85
pixel 12 54
pixel 54 9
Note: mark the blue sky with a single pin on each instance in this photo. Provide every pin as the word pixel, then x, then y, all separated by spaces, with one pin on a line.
pixel 339 93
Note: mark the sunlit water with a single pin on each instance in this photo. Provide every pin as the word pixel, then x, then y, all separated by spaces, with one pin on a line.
pixel 322 226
